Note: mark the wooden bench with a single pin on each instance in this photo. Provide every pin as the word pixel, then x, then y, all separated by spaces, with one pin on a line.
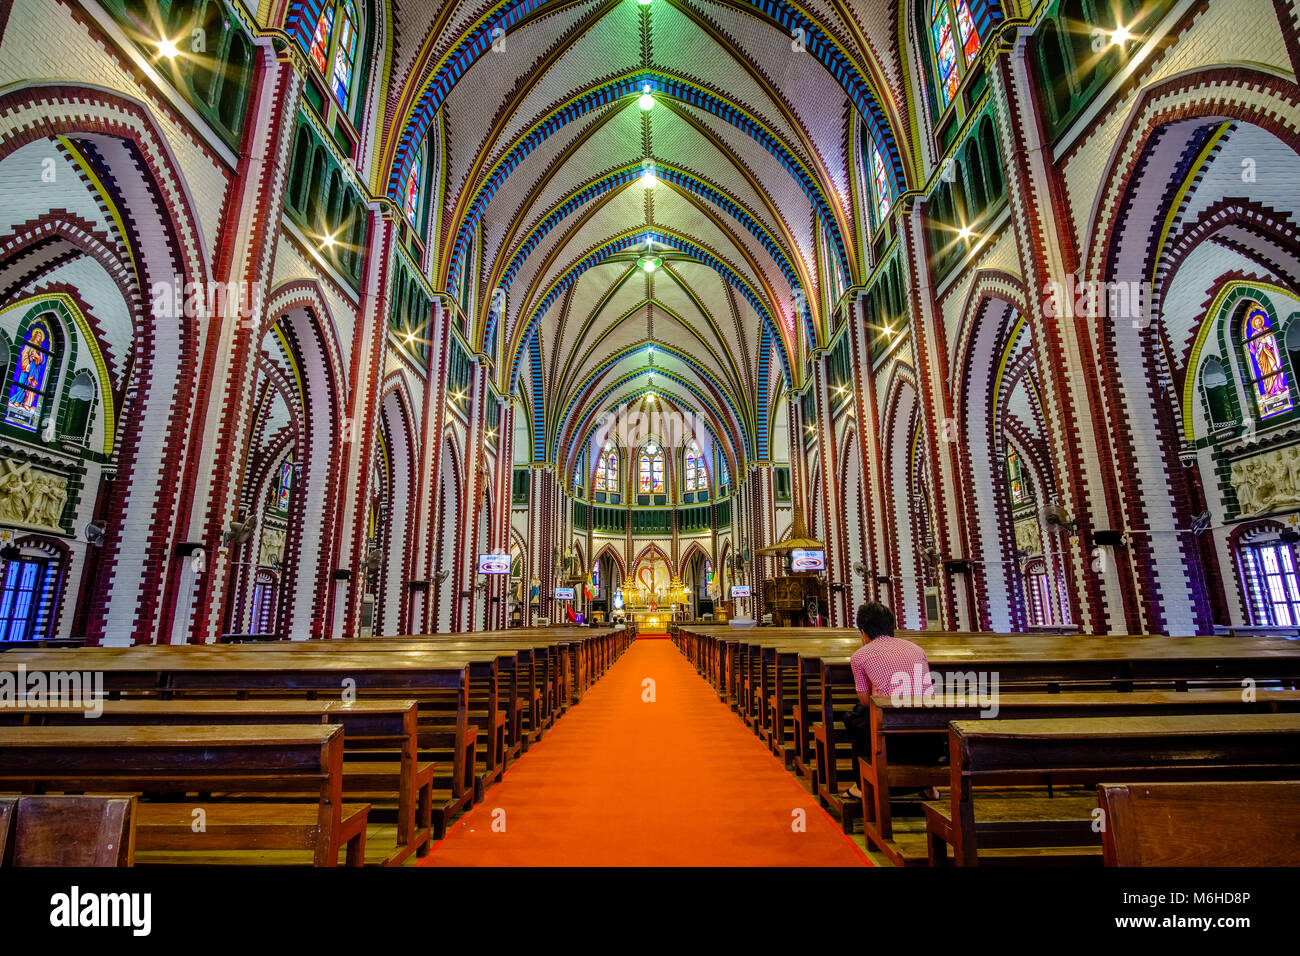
pixel 489 703
pixel 440 685
pixel 1038 663
pixel 1255 823
pixel 1088 750
pixel 96 831
pixel 196 760
pixel 380 749
pixel 898 720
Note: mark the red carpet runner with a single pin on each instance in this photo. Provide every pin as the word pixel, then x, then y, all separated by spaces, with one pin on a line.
pixel 624 782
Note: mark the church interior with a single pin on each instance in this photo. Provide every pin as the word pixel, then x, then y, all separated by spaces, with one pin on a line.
pixel 459 434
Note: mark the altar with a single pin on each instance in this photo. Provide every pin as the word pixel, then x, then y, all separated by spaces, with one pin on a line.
pixel 651 610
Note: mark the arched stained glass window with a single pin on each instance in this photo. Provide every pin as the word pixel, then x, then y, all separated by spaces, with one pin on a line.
pixel 412 202
pixel 1268 378
pixel 607 470
pixel 651 474
pixel 954 41
pixel 882 194
pixel 320 40
pixel 30 383
pixel 345 54
pixel 697 477
pixel 724 476
pixel 1016 477
pixel 286 482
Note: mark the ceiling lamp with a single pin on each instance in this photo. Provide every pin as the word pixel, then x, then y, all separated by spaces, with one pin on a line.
pixel 649 261
pixel 646 100
pixel 167 48
pixel 648 178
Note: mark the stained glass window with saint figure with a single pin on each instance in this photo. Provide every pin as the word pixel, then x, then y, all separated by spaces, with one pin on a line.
pixel 30 384
pixel 1264 366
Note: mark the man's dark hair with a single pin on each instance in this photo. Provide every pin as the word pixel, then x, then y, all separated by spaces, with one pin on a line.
pixel 876 620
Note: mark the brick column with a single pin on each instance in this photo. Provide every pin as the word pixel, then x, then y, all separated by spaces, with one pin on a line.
pixel 930 358
pixel 360 433
pixel 875 527
pixel 832 492
pixel 1062 344
pixel 244 254
pixel 432 421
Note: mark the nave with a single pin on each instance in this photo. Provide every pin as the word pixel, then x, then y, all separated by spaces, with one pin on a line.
pixel 631 779
pixel 390 388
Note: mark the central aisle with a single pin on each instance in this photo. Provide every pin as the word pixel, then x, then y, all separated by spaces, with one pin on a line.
pixel 619 781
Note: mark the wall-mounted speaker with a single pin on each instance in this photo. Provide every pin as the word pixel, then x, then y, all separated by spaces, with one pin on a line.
pixel 1108 539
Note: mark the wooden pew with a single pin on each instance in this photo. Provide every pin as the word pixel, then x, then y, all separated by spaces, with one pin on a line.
pixel 1086 750
pixel 96 831
pixel 490 701
pixel 186 760
pixel 380 748
pixel 1248 823
pixel 895 720
pixel 440 684
pixel 1030 662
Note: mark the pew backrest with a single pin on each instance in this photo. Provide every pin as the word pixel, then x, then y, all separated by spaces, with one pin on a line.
pixel 74 831
pixel 1248 823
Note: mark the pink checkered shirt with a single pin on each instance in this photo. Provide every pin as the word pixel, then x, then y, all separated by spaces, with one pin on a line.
pixel 875 665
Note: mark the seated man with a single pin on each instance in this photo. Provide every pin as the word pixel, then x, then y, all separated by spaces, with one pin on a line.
pixel 885 664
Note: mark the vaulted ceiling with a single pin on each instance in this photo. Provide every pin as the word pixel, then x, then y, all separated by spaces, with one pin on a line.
pixel 534 111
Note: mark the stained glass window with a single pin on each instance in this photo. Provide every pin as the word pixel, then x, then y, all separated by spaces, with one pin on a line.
pixel 413 187
pixel 607 470
pixel 345 55
pixel 320 41
pixel 651 475
pixel 953 52
pixel 1264 362
pixel 1274 589
pixel 724 476
pixel 970 38
pixel 880 183
pixel 945 51
pixel 1016 478
pixel 25 598
pixel 286 481
pixel 697 477
pixel 30 382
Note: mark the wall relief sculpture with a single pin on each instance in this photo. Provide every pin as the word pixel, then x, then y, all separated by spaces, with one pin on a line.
pixel 1267 482
pixel 31 497
pixel 1027 537
pixel 272 547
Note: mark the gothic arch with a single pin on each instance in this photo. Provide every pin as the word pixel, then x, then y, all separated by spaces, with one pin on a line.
pixel 133 599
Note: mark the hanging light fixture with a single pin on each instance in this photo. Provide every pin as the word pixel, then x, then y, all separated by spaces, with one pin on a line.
pixel 646 101
pixel 648 178
pixel 649 261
